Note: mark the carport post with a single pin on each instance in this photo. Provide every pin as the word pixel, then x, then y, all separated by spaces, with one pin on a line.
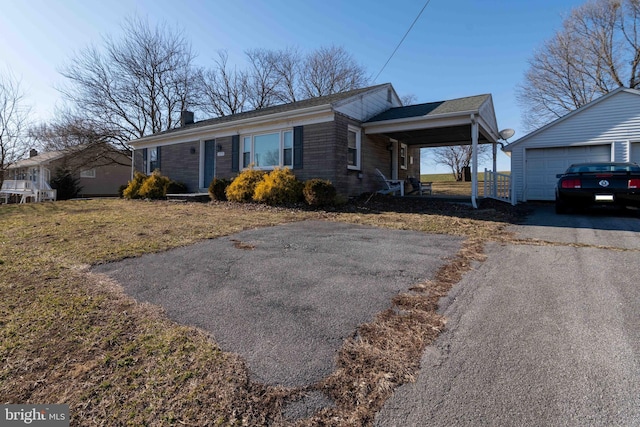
pixel 474 161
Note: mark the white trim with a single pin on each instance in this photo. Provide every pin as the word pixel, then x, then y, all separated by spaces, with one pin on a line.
pixel 403 164
pixel 569 115
pixel 253 136
pixel 358 132
pixel 266 123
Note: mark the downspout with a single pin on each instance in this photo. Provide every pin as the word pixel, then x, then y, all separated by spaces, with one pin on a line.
pixel 495 169
pixel 133 156
pixel 474 161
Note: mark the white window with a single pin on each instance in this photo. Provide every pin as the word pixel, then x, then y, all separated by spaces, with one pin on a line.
pixel 246 152
pixel 88 173
pixel 268 150
pixel 152 160
pixel 353 147
pixel 403 156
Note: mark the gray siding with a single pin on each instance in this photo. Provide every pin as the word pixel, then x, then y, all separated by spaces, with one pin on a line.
pixel 369 104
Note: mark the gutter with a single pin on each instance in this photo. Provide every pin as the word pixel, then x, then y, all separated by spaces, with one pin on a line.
pixel 257 120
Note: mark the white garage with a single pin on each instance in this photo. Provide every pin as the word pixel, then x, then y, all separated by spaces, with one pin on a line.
pixel 607 129
pixel 543 164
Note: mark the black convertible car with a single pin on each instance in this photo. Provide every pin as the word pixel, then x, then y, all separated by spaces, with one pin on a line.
pixel 598 184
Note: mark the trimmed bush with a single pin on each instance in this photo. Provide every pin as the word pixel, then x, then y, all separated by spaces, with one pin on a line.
pixel 155 186
pixel 278 187
pixel 218 188
pixel 133 188
pixel 319 192
pixel 243 186
pixel 176 187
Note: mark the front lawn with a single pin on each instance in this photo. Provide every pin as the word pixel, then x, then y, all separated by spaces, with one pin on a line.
pixel 69 336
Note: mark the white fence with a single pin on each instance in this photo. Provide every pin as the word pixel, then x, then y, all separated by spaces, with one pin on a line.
pixel 498 186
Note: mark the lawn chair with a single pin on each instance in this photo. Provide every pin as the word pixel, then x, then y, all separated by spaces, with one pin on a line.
pixel 390 185
pixel 421 187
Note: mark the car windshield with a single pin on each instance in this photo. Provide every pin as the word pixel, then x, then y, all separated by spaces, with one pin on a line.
pixel 604 167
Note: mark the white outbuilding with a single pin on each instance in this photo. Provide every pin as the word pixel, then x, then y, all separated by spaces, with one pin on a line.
pixel 606 129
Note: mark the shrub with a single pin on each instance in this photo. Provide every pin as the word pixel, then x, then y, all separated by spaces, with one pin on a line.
pixel 319 192
pixel 278 187
pixel 176 187
pixel 155 186
pixel 243 186
pixel 121 190
pixel 66 185
pixel 218 188
pixel 133 188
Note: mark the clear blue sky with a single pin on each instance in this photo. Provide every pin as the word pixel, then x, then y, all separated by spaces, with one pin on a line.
pixel 457 48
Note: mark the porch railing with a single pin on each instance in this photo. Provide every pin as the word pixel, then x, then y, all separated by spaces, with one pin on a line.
pixel 27 189
pixel 498 186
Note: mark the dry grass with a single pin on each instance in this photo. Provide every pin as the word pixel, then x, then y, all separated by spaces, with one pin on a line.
pixel 68 336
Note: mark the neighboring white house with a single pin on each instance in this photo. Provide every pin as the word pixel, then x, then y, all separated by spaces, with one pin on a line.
pixel 606 129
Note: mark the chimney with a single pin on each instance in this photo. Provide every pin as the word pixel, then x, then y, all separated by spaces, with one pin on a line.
pixel 186 118
pixel 33 152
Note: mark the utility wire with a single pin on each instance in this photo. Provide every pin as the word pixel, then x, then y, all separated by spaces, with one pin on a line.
pixel 403 37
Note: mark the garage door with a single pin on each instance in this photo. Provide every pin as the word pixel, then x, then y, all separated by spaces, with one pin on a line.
pixel 635 152
pixel 544 163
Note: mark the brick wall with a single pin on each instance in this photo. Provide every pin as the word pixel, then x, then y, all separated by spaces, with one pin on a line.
pixel 181 163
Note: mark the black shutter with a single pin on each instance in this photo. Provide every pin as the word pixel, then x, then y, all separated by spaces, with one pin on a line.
pixel 235 153
pixel 297 147
pixel 144 160
pixel 158 164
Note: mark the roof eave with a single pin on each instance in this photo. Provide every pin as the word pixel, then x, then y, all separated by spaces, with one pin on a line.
pixel 569 115
pixel 250 121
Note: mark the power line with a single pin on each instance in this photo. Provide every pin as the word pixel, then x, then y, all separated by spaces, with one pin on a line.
pixel 403 37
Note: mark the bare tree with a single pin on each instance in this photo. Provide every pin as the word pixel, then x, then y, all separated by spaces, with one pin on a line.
pixel 135 85
pixel 408 99
pixel 287 64
pixel 13 120
pixel 263 78
pixel 277 76
pixel 457 157
pixel 330 70
pixel 224 90
pixel 87 144
pixel 596 51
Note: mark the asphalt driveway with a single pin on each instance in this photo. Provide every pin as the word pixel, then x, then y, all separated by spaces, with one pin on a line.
pixel 543 333
pixel 285 297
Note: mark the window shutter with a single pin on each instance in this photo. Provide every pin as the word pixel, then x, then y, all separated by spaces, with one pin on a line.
pixel 144 160
pixel 159 165
pixel 235 153
pixel 297 147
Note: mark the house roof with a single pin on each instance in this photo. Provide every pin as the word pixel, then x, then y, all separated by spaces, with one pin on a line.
pixel 329 100
pixel 459 105
pixel 40 159
pixel 438 123
pixel 569 116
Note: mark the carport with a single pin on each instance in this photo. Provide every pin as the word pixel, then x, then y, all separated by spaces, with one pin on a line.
pixel 463 121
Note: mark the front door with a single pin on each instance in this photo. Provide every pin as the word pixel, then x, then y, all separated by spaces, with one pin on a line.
pixel 209 161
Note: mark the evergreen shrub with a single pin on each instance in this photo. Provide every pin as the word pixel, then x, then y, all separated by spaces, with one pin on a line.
pixel 319 192
pixel 243 186
pixel 279 187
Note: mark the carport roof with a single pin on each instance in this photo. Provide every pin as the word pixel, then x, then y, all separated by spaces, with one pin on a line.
pixel 441 123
